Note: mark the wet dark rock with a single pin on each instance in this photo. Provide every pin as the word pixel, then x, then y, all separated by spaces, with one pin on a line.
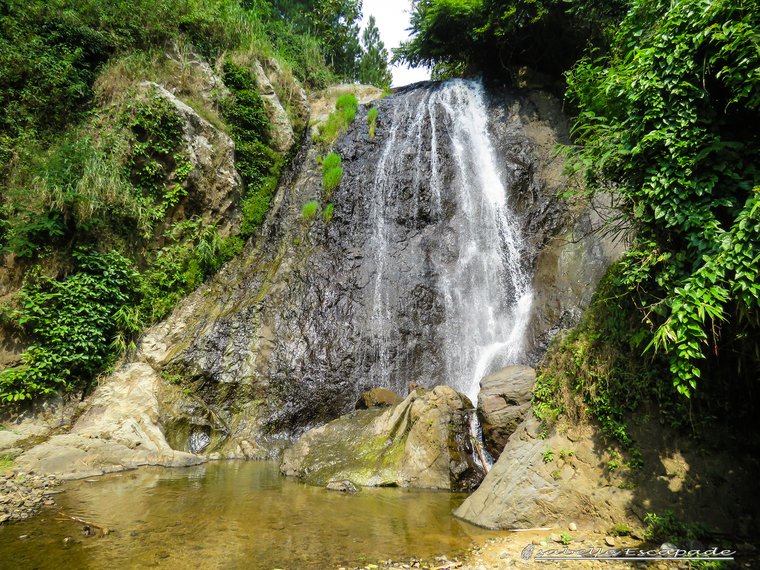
pixel 503 402
pixel 422 442
pixel 343 486
pixel 288 324
pixel 378 398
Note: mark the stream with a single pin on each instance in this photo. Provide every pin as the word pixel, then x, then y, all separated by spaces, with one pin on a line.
pixel 234 514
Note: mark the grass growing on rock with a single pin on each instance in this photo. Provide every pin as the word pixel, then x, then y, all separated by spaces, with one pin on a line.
pixel 327 213
pixel 371 121
pixel 338 121
pixel 310 210
pixel 332 173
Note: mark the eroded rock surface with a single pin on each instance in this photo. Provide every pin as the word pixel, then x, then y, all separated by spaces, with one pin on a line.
pixel 503 402
pixel 422 442
pixel 118 431
pixel 546 479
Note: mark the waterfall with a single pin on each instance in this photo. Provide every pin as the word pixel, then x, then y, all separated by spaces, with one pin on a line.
pixel 458 197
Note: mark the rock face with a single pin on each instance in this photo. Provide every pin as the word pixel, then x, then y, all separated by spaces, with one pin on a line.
pixel 422 442
pixel 378 398
pixel 214 187
pixel 294 325
pixel 546 479
pixel 503 402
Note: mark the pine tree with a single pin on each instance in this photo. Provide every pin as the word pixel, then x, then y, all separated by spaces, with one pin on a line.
pixel 373 67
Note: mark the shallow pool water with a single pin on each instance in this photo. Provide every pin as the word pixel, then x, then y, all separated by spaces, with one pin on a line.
pixel 234 514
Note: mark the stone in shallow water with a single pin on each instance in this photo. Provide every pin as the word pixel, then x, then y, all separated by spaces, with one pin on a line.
pixel 343 486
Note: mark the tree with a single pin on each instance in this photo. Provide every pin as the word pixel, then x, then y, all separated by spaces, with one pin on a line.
pixel 373 67
pixel 465 37
pixel 335 22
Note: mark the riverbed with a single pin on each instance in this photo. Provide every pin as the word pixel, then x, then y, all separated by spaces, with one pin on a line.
pixel 233 514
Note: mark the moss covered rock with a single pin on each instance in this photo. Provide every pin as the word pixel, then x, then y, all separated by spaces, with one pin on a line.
pixel 422 442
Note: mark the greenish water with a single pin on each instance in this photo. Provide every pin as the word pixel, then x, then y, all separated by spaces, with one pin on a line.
pixel 234 514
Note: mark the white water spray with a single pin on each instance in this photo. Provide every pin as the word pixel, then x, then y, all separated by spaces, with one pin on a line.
pixel 480 274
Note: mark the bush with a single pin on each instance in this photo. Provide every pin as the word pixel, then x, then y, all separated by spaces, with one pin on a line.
pixel 331 179
pixel 338 121
pixel 331 161
pixel 73 321
pixel 332 173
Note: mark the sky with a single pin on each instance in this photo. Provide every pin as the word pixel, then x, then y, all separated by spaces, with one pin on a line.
pixel 392 19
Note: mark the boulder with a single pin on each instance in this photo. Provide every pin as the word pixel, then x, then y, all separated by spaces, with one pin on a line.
pixel 378 398
pixel 282 137
pixel 503 402
pixel 577 473
pixel 422 442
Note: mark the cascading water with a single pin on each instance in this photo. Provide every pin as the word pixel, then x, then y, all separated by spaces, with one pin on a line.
pixel 476 268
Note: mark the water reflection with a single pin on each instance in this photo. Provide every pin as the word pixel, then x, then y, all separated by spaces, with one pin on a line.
pixel 235 515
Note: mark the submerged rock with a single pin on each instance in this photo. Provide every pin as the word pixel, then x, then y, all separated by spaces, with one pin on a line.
pixel 344 486
pixel 503 403
pixel 422 442
pixel 378 398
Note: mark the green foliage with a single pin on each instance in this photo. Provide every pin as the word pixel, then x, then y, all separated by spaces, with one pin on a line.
pixel 157 136
pixel 371 121
pixel 565 538
pixel 256 162
pixel 373 66
pixel 598 368
pixel 330 161
pixel 464 37
pixel 310 210
pixel 338 121
pixel 620 530
pixel 668 528
pixel 332 173
pixel 327 213
pixel 73 322
pixel 336 23
pixel 548 455
pixel 195 251
pixel 667 123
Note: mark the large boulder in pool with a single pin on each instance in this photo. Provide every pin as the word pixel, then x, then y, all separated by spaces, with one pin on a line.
pixel 422 442
pixel 503 403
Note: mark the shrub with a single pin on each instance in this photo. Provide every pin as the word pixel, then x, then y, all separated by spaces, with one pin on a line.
pixel 338 121
pixel 310 210
pixel 73 321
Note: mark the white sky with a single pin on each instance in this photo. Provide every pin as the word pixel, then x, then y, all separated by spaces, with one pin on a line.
pixel 392 19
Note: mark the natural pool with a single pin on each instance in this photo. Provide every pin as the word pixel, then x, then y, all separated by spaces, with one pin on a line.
pixel 234 514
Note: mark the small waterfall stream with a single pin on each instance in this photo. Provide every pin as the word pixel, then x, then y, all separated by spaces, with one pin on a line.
pixel 477 267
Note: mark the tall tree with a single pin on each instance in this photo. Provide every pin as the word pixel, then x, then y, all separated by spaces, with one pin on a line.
pixel 336 23
pixel 373 67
